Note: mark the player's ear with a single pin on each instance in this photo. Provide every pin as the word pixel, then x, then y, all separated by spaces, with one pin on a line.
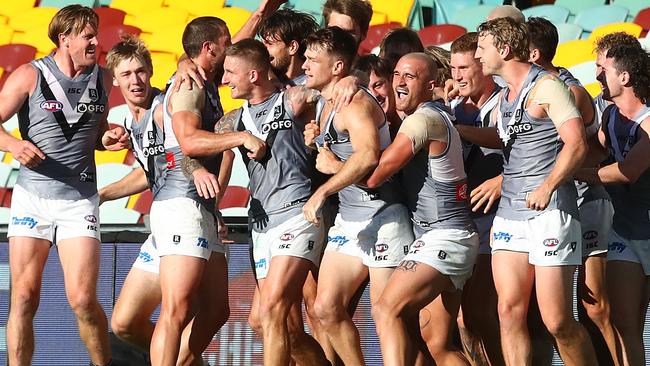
pixel 253 76
pixel 338 67
pixel 294 46
pixel 624 77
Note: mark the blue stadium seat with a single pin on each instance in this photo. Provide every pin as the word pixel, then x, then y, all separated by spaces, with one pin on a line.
pixel 554 13
pixel 64 3
pixel 585 72
pixel 568 31
pixel 591 18
pixel 471 17
pixel 250 5
pixel 446 10
pixel 634 6
pixel 576 7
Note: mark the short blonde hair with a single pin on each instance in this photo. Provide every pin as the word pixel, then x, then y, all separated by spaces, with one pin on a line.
pixel 71 20
pixel 507 31
pixel 129 47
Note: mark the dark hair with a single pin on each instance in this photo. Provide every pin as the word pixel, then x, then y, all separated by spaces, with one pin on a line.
pixel 201 30
pixel 543 36
pixel 360 11
pixel 507 31
pixel 468 42
pixel 636 62
pixel 398 42
pixel 373 63
pixel 288 25
pixel 610 40
pixel 335 41
pixel 251 50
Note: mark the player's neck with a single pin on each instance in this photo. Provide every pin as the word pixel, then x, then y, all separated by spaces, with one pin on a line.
pixel 548 66
pixel 515 74
pixel 139 109
pixel 203 63
pixel 262 92
pixel 480 98
pixel 327 91
pixel 66 65
pixel 295 68
pixel 628 104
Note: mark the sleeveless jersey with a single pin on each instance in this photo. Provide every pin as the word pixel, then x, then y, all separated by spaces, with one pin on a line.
pixel 62 118
pixel 176 184
pixel 531 146
pixel 356 203
pixel 586 192
pixel 436 187
pixel 481 163
pixel 631 201
pixel 147 139
pixel 280 183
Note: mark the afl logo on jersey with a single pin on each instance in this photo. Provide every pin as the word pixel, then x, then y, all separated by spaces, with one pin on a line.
pixel 52 106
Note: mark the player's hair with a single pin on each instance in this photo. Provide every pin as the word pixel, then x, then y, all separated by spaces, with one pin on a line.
pixel 360 11
pixel 129 47
pixel 543 36
pixel 334 41
pixel 398 42
pixel 201 30
pixel 373 63
pixel 288 25
pixel 442 59
pixel 636 62
pixel 252 51
pixel 71 20
pixel 612 39
pixel 465 43
pixel 507 32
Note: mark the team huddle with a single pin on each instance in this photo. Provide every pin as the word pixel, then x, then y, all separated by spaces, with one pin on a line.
pixel 465 187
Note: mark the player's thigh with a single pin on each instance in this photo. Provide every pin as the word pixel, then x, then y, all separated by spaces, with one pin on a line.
pixel 339 277
pixel 139 297
pixel 80 259
pixel 214 284
pixel 554 290
pixel 27 258
pixel 180 277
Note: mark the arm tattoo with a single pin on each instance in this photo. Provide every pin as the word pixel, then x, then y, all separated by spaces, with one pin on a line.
pixel 226 123
pixel 189 165
pixel 300 95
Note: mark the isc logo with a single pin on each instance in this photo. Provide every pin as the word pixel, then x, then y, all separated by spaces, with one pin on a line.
pixel 52 106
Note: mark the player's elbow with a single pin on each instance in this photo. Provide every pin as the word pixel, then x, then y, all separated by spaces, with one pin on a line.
pixel 189 149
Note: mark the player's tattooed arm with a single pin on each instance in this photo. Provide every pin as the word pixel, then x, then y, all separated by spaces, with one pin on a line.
pixel 226 123
pixel 300 97
pixel 190 165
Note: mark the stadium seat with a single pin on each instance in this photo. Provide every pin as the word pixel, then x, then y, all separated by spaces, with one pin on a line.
pixel 107 174
pixel 645 42
pixel 11 8
pixel 164 65
pixel 629 28
pixel 250 5
pixel 554 13
pixel 134 8
pixel 314 7
pixel 166 40
pixel 14 55
pixel 436 34
pixel 158 19
pixel 4 215
pixel 38 38
pixel 110 157
pixel 568 32
pixel 643 19
pixel 379 18
pixel 111 35
pixel 143 203
pixel 397 11
pixel 115 98
pixel 590 19
pixel 3 193
pixel 197 7
pixel 109 16
pixel 118 113
pixel 6 34
pixel 375 34
pixel 34 19
pixel 634 6
pixel 471 17
pixel 574 52
pixel 234 196
pixel 446 10
pixel 235 18
pixel 594 89
pixel 5 172
pixel 576 7
pixel 585 72
pixel 63 3
pixel 227 102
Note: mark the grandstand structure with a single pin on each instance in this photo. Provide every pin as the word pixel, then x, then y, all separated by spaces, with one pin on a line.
pixel 160 23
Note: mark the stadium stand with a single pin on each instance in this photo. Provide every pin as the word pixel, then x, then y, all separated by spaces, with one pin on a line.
pixel 591 18
pixel 574 52
pixel 472 16
pixel 643 19
pixel 555 13
pixel 437 34
pixel 446 10
pixel 375 34
pixel 568 32
pixel 63 3
pixel 629 28
pixel 576 7
pixel 633 6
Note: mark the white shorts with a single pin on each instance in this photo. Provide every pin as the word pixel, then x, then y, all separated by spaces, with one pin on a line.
pixel 43 218
pixel 181 226
pixel 379 242
pixel 596 221
pixel 551 238
pixel 295 237
pixel 636 251
pixel 450 251
pixel 484 225
pixel 148 259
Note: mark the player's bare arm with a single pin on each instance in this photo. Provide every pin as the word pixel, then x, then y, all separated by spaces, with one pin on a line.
pixel 132 183
pixel 17 88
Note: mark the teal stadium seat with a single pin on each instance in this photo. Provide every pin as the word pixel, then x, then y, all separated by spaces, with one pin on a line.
pixel 313 7
pixel 576 6
pixel 115 212
pixel 250 5
pixel 568 31
pixel 554 13
pixel 585 72
pixel 634 6
pixel 591 18
pixel 470 18
pixel 64 3
pixel 446 10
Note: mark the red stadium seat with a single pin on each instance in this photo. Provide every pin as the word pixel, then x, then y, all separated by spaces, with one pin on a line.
pixel 643 19
pixel 143 204
pixel 109 17
pixel 375 34
pixel 440 33
pixel 14 55
pixel 115 98
pixel 6 197
pixel 235 196
pixel 112 34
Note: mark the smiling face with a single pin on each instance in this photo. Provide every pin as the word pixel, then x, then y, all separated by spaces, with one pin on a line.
pixel 382 90
pixel 280 53
pixel 82 47
pixel 237 75
pixel 412 84
pixel 467 73
pixel 488 55
pixel 134 80
pixel 609 78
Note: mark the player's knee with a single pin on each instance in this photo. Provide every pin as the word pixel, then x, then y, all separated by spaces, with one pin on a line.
pixel 273 309
pixel 254 322
pixel 121 326
pixel 327 311
pixel 24 302
pixel 511 313
pixel 383 310
pixel 598 312
pixel 84 305
pixel 562 328
pixel 176 313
